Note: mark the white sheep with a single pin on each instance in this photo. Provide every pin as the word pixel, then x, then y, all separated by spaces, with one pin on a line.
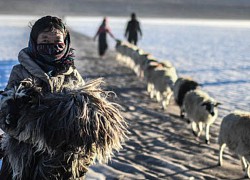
pixel 181 87
pixel 160 77
pixel 163 83
pixel 126 53
pixel 235 134
pixel 140 59
pixel 201 110
pixel 150 66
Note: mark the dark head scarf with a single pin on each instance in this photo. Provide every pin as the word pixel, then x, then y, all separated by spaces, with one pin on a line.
pixel 49 23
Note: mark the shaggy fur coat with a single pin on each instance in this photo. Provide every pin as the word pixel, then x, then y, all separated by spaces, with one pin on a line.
pixel 59 135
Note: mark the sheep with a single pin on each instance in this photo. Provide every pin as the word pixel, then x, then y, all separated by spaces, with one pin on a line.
pixel 160 78
pixel 125 52
pixel 201 109
pixel 145 60
pixel 163 82
pixel 165 89
pixel 121 48
pixel 140 61
pixel 58 135
pixel 181 87
pixel 235 134
pixel 150 66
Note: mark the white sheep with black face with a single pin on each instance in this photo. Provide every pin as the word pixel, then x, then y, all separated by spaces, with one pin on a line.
pixel 235 134
pixel 201 110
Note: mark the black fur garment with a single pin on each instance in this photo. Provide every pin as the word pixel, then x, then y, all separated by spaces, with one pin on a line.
pixel 58 135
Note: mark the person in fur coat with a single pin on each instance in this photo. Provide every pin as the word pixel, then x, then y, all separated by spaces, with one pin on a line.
pixel 56 125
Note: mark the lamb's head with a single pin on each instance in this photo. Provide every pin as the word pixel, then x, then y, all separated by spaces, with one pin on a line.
pixel 15 99
pixel 211 107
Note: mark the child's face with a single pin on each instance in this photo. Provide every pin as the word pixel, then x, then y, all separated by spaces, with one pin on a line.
pixel 54 37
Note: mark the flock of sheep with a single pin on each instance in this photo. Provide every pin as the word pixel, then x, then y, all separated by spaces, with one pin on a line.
pixel 195 104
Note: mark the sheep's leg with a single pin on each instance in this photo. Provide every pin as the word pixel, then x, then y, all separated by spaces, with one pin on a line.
pixel 248 170
pixel 207 134
pixel 169 97
pixel 149 88
pixel 200 129
pixel 243 162
pixel 158 96
pixel 194 128
pixel 245 166
pixel 164 104
pixel 222 147
pixel 166 100
pixel 141 74
pixel 152 94
pixel 118 56
pixel 138 70
pixel 182 114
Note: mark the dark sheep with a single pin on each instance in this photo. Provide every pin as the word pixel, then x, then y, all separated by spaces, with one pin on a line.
pixel 181 87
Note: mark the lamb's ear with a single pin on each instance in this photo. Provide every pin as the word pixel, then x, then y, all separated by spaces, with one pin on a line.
pixel 217 104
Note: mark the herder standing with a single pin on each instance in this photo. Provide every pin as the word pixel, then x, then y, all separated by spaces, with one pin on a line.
pixel 133 27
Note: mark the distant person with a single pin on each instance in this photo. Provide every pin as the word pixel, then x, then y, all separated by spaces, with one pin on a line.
pixel 133 27
pixel 102 37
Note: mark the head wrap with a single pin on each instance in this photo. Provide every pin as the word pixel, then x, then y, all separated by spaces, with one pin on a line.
pixel 49 65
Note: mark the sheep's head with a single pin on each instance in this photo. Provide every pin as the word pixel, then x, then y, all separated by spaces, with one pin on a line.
pixel 151 65
pixel 15 99
pixel 193 84
pixel 211 107
pixel 118 42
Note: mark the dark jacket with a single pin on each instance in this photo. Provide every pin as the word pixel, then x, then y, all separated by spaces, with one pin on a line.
pixel 132 29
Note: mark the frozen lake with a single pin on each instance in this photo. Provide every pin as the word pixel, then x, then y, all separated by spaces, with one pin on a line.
pixel 215 53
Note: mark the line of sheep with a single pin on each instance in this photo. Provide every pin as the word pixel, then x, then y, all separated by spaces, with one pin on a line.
pixel 195 104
